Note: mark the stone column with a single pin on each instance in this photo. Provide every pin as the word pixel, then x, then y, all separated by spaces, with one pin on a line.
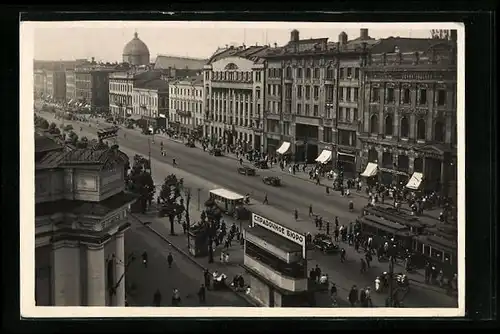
pixel 96 283
pixel 120 262
pixel 66 274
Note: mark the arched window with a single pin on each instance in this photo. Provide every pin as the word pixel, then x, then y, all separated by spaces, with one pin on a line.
pixel 421 129
pixel 404 127
pixel 288 72
pixel 374 124
pixel 388 125
pixel 439 132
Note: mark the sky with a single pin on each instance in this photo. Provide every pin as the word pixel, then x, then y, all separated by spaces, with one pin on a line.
pixel 105 40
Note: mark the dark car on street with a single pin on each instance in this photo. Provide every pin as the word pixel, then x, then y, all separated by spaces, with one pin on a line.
pixel 272 180
pixel 245 170
pixel 325 244
pixel 190 143
pixel 215 152
pixel 262 164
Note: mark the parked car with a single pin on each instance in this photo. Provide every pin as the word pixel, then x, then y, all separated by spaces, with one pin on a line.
pixel 272 180
pixel 245 170
pixel 325 243
pixel 190 143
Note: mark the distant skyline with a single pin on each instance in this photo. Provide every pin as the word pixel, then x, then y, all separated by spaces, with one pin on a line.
pixel 105 40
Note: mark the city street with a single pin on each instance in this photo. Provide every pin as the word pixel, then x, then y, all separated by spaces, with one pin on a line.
pixel 201 170
pixel 184 275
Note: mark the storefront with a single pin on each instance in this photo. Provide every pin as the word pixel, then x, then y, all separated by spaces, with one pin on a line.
pixel 346 161
pixel 325 157
pixel 371 173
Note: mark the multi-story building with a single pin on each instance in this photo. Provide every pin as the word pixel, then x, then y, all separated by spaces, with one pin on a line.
pixel 409 123
pixel 312 90
pixel 92 85
pixel 70 85
pixel 186 105
pixel 40 81
pixel 121 87
pixel 56 85
pixel 234 92
pixel 81 215
pixel 150 101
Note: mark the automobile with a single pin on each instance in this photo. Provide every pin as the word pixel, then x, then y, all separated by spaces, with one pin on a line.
pixel 272 180
pixel 262 164
pixel 215 152
pixel 325 244
pixel 245 170
pixel 190 143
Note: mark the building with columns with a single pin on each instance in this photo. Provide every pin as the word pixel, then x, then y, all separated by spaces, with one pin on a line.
pixel 409 123
pixel 150 101
pixel 234 94
pixel 186 105
pixel 312 98
pixel 81 215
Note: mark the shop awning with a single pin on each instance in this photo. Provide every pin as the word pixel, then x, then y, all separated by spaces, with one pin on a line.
pixel 134 117
pixel 370 170
pixel 415 181
pixel 283 148
pixel 324 157
pixel 163 116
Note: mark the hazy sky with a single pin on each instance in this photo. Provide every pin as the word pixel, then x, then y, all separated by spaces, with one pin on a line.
pixel 105 40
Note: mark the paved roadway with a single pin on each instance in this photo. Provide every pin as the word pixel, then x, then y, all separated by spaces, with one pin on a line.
pixel 196 166
pixel 184 275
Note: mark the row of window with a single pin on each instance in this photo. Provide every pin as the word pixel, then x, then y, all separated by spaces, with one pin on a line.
pixel 186 105
pixel 439 133
pixel 406 96
pixel 186 120
pixel 238 121
pixel 186 91
pixel 222 105
pixel 232 75
pixel 120 87
pixel 147 100
pixel 236 96
pixel 314 73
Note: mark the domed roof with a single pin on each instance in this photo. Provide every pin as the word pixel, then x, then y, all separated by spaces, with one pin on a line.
pixel 135 47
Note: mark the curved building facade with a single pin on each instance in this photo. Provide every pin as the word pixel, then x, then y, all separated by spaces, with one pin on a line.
pixel 136 52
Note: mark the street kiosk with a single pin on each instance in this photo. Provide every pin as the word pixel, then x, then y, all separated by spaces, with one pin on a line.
pixel 275 258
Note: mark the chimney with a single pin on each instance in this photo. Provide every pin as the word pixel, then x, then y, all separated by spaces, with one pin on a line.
pixel 294 35
pixel 275 45
pixel 342 39
pixel 363 34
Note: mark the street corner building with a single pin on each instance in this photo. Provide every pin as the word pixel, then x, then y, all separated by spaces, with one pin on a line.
pixel 81 215
pixel 186 105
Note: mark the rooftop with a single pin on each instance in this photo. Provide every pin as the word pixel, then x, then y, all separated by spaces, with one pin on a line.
pixel 192 80
pixel 405 44
pixel 154 84
pixel 254 53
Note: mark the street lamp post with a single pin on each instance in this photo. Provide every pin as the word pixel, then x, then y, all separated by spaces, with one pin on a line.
pixel 187 193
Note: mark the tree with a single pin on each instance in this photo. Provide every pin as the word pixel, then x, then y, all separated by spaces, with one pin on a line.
pixel 140 182
pixel 172 202
pixel 72 138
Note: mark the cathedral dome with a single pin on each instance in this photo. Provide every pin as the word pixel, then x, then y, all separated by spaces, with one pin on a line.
pixel 136 52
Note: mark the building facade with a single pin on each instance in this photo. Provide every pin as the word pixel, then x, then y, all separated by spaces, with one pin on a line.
pixel 56 85
pixel 234 90
pixel 81 215
pixel 40 81
pixel 186 105
pixel 121 88
pixel 410 112
pixel 92 86
pixel 150 101
pixel 70 85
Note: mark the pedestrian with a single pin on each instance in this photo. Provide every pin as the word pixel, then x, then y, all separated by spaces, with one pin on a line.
pixel 202 294
pixel 170 259
pixel 296 214
pixel 362 298
pixel 368 297
pixel 363 265
pixel 368 257
pixel 157 298
pixel 320 223
pixel 266 201
pixel 336 234
pixel 427 272
pixel 333 294
pixel 310 210
pixel 206 278
pixel 353 296
pixel 342 255
pixel 318 272
pixel 356 245
pixel 336 222
pixel 327 228
pixel 176 298
pixel 226 257
pixel 222 257
pixel 327 190
pixel 184 227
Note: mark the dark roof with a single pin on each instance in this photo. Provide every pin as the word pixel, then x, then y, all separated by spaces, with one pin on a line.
pixel 404 44
pixel 44 143
pixel 158 84
pixel 253 53
pixel 101 208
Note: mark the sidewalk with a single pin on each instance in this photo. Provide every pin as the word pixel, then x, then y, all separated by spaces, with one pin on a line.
pixel 161 227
